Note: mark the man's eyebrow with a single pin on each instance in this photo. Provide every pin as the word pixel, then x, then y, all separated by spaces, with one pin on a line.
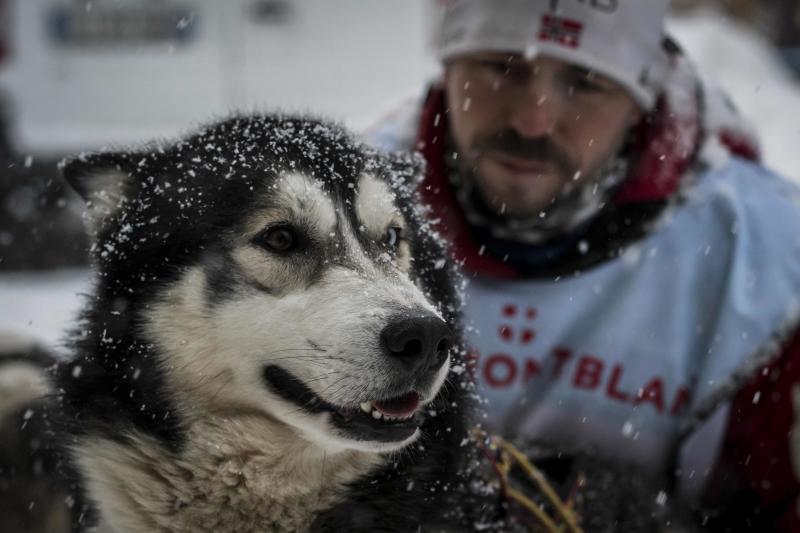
pixel 588 74
pixel 498 56
pixel 582 71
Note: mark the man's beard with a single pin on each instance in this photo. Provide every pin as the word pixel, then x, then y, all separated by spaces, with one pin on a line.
pixel 575 204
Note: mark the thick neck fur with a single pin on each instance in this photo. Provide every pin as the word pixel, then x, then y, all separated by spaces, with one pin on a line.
pixel 234 474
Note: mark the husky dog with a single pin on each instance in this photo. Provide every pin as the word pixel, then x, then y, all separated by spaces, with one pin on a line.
pixel 272 342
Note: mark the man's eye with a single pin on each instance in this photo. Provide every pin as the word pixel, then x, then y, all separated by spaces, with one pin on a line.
pixel 513 71
pixel 393 236
pixel 586 83
pixel 495 66
pixel 587 86
pixel 279 239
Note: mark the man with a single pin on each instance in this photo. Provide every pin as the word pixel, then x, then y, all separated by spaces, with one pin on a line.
pixel 633 281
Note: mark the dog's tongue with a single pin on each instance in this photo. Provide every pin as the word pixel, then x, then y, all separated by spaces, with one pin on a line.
pixel 403 406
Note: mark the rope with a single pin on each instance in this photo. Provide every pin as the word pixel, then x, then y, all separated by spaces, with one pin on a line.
pixel 510 455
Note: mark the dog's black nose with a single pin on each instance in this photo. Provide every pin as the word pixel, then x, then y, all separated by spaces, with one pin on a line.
pixel 420 342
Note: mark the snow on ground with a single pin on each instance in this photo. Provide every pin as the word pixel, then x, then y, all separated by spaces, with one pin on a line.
pixel 42 305
pixel 45 304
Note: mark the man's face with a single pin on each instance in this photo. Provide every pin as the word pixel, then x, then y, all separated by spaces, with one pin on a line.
pixel 531 130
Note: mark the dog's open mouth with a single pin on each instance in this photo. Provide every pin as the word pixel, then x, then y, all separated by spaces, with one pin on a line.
pixel 393 409
pixel 389 420
pixel 386 420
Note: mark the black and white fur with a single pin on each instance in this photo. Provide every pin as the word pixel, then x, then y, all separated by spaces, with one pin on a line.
pixel 36 494
pixel 260 286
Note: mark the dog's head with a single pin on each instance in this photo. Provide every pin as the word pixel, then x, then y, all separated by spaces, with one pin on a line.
pixel 269 266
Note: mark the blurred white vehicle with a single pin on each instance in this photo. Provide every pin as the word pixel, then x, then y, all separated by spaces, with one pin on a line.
pixel 84 74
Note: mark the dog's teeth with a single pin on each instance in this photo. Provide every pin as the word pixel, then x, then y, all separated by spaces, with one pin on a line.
pixel 366 407
pixel 376 415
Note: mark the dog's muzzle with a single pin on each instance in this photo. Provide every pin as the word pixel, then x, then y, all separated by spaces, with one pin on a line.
pixel 414 349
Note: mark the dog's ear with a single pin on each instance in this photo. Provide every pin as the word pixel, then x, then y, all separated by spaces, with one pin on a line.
pixel 104 182
pixel 408 168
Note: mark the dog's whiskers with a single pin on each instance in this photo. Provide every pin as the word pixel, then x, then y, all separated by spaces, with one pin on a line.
pixel 334 393
pixel 326 389
pixel 307 357
pixel 300 350
pixel 325 375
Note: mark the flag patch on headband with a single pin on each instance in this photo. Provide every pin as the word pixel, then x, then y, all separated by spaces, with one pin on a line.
pixel 561 30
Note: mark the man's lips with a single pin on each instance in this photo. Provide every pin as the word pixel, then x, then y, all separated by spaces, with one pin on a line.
pixel 520 165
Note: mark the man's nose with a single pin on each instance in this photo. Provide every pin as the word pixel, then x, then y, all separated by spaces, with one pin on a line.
pixel 534 112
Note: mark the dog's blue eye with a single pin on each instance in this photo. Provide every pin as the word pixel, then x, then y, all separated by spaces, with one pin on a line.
pixel 393 236
pixel 278 239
